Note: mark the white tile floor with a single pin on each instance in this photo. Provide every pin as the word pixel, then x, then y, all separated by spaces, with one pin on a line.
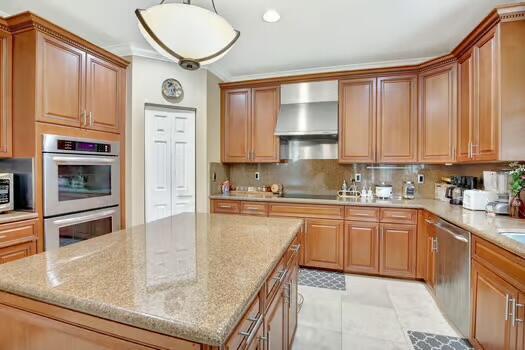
pixel 373 313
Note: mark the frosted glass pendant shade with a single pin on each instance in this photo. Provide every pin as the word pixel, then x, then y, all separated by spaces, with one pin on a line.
pixel 190 35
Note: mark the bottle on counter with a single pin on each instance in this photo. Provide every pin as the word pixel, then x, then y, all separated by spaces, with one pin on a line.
pixel 409 190
pixel 344 187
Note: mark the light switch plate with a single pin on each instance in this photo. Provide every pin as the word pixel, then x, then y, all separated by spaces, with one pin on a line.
pixel 357 177
pixel 257 176
pixel 420 178
pixel 214 177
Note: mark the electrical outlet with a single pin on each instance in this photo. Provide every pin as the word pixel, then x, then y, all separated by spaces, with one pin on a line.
pixel 420 178
pixel 257 176
pixel 357 177
pixel 214 177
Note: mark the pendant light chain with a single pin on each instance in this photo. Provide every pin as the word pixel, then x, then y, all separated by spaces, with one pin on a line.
pixel 188 2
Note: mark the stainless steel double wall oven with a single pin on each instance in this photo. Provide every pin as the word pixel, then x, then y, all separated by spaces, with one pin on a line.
pixel 81 189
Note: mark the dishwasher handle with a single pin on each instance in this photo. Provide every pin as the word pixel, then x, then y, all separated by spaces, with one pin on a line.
pixel 452 233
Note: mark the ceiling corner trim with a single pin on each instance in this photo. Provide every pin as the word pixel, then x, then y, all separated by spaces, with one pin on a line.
pixel 124 50
pixel 4 14
pixel 328 69
pixel 219 73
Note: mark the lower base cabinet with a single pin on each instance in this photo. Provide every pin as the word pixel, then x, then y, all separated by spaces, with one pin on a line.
pixel 361 251
pixel 275 319
pixel 397 253
pixel 323 241
pixel 17 240
pixel 492 310
pixel 17 251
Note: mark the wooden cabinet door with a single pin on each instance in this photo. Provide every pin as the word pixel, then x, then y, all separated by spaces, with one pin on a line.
pixel 293 293
pixel 60 91
pixel 265 108
pixel 397 255
pixel 465 107
pixel 17 251
pixel 236 107
pixel 324 243
pixel 397 119
pixel 357 120
pixel 520 321
pixel 437 115
pixel 105 94
pixel 361 251
pixel 486 109
pixel 6 130
pixel 491 299
pixel 276 338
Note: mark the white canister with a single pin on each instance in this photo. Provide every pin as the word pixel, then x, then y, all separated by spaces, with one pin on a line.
pixel 383 191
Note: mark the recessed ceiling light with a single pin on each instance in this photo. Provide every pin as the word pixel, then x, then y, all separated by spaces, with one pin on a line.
pixel 271 16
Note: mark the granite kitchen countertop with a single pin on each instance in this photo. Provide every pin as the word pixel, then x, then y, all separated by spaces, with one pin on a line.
pixel 476 222
pixel 190 276
pixel 17 215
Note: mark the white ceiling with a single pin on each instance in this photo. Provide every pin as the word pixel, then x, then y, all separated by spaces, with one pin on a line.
pixel 311 36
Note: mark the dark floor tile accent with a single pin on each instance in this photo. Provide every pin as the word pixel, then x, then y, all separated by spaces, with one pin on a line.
pixel 322 279
pixel 429 341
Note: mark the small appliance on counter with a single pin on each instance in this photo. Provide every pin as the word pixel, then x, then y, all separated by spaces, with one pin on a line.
pixel 6 192
pixel 478 199
pixel 440 191
pixel 459 185
pixel 383 191
pixel 498 182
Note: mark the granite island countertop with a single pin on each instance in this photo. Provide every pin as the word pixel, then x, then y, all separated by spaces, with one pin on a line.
pixel 476 222
pixel 190 276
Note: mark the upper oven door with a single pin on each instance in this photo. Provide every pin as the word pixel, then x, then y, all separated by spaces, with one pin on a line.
pixel 75 182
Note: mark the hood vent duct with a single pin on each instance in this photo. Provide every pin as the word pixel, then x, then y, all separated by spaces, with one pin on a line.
pixel 308 120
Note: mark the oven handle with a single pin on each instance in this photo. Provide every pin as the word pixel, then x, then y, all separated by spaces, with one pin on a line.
pixel 84 218
pixel 83 160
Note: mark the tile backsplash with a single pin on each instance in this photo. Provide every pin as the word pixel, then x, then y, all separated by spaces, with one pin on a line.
pixel 326 176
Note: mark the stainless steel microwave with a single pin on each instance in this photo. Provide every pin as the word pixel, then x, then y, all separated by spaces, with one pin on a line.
pixel 6 192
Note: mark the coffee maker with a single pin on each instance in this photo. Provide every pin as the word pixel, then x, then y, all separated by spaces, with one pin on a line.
pixel 498 181
pixel 459 185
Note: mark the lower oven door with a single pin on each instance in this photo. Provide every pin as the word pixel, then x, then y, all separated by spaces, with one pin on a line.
pixel 68 229
pixel 80 182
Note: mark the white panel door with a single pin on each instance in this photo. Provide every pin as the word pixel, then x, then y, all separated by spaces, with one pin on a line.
pixel 169 162
pixel 183 165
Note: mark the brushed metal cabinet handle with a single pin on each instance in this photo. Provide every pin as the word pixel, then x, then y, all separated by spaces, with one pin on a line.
pixel 507 299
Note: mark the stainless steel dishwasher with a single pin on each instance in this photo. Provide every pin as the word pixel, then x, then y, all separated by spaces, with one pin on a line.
pixel 452 248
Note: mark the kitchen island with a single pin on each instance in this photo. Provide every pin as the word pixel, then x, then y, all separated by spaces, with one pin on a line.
pixel 191 281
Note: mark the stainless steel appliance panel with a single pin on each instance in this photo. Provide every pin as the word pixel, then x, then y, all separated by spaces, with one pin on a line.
pixel 68 229
pixel 453 274
pixel 6 192
pixel 75 182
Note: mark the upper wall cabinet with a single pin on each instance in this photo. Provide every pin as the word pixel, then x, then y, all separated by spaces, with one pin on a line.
pixel 5 95
pixel 491 82
pixel 248 120
pixel 62 79
pixel 437 115
pixel 357 120
pixel 397 119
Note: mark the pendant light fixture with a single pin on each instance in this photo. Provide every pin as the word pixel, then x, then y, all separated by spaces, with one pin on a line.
pixel 190 35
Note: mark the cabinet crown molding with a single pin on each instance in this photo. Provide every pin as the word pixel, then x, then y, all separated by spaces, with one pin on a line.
pixel 26 21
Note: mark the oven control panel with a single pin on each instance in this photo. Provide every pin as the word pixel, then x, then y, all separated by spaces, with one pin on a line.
pixel 5 185
pixel 70 145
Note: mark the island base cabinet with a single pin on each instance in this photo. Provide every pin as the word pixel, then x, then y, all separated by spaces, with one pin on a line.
pixel 276 318
pixel 324 243
pixel 492 300
pixel 292 299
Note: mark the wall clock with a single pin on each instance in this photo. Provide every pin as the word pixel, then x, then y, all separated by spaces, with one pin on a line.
pixel 172 89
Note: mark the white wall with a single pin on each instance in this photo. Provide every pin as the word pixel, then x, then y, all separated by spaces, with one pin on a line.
pixel 145 79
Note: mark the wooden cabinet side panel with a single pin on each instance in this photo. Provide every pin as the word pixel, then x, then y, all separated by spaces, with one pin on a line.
pixel 235 125
pixel 357 120
pixel 437 115
pixel 397 119
pixel 265 109
pixel 6 131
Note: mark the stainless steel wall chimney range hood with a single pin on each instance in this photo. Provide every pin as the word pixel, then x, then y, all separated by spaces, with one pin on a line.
pixel 308 120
